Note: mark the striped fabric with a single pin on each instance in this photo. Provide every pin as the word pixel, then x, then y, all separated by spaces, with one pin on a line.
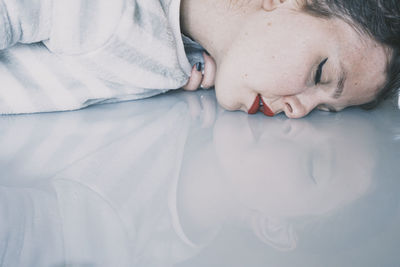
pixel 68 54
pixel 64 198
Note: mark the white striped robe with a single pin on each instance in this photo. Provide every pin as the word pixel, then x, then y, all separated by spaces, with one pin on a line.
pixel 61 55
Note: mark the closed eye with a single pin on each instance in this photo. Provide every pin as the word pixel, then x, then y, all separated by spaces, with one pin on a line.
pixel 318 75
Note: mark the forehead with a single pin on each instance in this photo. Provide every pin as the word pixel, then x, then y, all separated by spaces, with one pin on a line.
pixel 365 62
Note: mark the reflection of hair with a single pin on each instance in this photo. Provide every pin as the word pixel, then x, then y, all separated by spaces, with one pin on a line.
pixel 378 18
pixel 356 224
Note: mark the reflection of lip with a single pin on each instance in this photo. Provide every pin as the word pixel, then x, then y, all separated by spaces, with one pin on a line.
pixel 264 109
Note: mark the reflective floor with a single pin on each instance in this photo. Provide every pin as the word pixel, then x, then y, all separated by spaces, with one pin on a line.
pixel 176 181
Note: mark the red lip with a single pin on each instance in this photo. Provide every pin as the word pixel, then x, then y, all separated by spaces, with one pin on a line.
pixel 256 107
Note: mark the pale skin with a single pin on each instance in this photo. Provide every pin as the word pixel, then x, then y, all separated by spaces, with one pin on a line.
pixel 294 61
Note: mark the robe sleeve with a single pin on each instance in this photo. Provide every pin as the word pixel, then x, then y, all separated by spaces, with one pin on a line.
pixel 92 51
pixel 24 21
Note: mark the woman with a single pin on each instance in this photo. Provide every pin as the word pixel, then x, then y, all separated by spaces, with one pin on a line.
pixel 289 56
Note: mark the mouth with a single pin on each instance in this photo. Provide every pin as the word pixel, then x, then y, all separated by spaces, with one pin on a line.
pixel 259 105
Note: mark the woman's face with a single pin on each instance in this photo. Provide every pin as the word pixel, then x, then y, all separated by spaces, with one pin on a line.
pixel 290 168
pixel 297 62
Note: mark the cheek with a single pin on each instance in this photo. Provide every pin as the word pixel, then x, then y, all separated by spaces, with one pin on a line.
pixel 225 89
pixel 231 81
pixel 255 63
pixel 269 73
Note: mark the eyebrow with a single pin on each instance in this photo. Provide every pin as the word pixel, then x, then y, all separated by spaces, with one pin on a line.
pixel 340 85
pixel 338 92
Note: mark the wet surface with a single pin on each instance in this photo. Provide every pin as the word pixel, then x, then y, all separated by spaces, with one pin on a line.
pixel 176 181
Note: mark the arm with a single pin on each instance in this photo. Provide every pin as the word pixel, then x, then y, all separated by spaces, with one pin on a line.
pixel 24 21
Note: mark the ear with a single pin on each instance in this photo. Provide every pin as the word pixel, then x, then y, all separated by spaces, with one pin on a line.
pixel 274 232
pixel 269 5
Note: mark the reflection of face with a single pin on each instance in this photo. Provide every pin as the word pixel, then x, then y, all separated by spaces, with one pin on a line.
pixel 277 55
pixel 292 168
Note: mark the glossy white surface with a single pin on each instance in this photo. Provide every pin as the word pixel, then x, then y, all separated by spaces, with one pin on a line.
pixel 176 181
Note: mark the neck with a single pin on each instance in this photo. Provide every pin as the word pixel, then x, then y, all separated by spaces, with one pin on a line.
pixel 214 23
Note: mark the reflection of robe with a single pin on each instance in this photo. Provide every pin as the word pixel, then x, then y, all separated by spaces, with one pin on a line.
pixel 106 197
pixel 93 51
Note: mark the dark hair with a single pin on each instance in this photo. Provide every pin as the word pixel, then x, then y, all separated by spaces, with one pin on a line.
pixel 380 19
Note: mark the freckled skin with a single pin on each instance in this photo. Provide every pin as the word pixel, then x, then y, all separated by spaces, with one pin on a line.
pixel 281 57
pixel 273 49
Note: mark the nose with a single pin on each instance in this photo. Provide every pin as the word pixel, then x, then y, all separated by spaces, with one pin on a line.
pixel 294 108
